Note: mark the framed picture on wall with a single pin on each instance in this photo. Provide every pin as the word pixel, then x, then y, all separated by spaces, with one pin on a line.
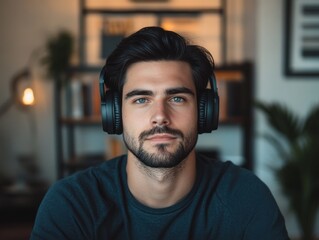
pixel 301 37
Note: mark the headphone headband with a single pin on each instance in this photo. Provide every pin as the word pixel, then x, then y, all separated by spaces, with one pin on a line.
pixel 102 84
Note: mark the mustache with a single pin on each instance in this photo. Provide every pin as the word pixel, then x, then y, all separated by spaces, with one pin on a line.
pixel 158 130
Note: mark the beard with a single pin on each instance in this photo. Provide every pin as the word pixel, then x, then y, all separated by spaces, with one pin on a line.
pixel 162 158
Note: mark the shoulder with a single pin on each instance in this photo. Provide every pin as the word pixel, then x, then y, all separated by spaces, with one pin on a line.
pixel 87 190
pixel 242 184
pixel 246 199
pixel 90 180
pixel 237 189
pixel 232 179
pixel 78 201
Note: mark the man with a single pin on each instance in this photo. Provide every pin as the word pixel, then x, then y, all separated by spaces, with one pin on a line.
pixel 156 91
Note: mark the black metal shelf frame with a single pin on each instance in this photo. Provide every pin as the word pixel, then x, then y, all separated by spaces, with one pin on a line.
pixel 159 13
pixel 246 68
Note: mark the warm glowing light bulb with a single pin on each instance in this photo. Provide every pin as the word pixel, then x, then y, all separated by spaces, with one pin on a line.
pixel 28 97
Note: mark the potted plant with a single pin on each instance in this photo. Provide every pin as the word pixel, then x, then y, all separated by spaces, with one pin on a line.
pixel 57 60
pixel 296 140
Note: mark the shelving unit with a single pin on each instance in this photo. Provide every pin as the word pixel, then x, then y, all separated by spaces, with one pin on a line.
pixel 241 101
pixel 68 160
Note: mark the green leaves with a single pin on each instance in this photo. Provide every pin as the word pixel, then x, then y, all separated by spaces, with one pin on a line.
pixel 311 125
pixel 282 120
pixel 299 174
pixel 59 51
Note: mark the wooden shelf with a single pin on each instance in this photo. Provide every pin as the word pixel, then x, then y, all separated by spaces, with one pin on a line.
pixel 153 11
pixel 226 75
pixel 93 120
pixel 230 78
pixel 232 121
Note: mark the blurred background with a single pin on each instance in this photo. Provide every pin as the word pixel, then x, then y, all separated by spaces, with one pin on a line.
pixel 51 54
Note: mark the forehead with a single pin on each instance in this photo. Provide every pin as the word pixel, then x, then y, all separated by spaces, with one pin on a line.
pixel 158 74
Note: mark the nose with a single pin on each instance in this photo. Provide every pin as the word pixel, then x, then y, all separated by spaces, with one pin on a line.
pixel 160 114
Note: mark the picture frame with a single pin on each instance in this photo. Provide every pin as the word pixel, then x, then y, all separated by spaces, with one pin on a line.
pixel 301 40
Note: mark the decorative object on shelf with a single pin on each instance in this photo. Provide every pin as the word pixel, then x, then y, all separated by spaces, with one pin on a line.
pixel 103 31
pixel 102 34
pixel 298 150
pixel 59 50
pixel 301 38
pixel 231 91
pixel 83 96
pixel 113 31
pixel 102 25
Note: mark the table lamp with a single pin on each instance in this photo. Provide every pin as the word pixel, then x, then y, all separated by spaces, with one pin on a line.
pixel 22 93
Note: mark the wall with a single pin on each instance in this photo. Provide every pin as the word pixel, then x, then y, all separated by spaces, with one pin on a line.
pixel 27 24
pixel 25 27
pixel 299 94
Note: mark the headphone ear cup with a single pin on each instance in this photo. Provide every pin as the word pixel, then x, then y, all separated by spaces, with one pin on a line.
pixel 208 112
pixel 203 111
pixel 111 113
pixel 117 114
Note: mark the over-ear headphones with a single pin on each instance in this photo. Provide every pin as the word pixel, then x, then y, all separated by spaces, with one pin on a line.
pixel 208 107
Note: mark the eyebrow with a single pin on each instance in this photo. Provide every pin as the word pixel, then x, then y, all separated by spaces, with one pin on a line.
pixel 178 90
pixel 138 92
pixel 170 91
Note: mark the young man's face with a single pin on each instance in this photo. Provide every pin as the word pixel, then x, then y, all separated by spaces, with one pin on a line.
pixel 159 110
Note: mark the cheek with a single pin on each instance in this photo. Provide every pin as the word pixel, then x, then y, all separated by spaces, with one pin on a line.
pixel 188 117
pixel 132 123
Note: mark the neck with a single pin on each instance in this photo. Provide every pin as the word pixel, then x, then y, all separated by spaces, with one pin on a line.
pixel 160 187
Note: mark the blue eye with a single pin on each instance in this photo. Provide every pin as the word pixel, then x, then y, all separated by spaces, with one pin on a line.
pixel 140 100
pixel 178 99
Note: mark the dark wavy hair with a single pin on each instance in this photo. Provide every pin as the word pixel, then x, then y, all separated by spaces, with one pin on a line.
pixel 155 44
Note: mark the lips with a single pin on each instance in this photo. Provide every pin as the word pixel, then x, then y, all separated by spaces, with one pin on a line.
pixel 161 137
pixel 161 134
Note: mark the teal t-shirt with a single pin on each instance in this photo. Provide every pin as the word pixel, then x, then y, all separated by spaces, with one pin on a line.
pixel 226 202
